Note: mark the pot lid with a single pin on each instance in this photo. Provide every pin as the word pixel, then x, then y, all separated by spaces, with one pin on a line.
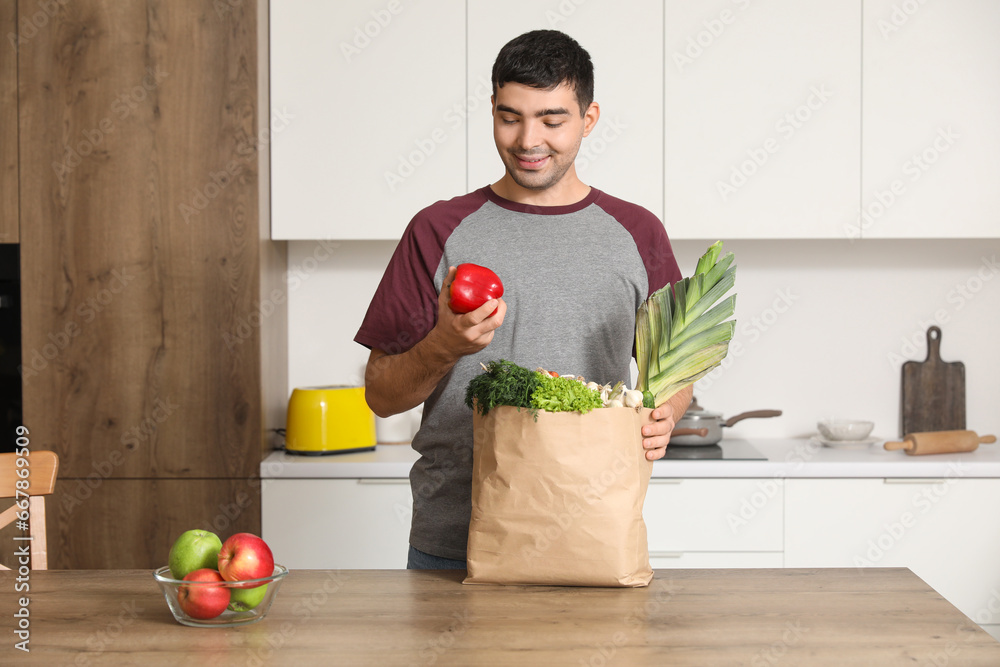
pixel 695 411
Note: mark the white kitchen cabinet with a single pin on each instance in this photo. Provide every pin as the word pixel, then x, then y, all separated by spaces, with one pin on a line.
pixel 688 516
pixel 695 560
pixel 365 523
pixel 930 124
pixel 337 523
pixel 623 156
pixel 366 104
pixel 942 529
pixel 726 118
pixel 939 528
pixel 762 123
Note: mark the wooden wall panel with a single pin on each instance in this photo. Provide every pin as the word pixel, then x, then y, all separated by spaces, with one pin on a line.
pixel 140 247
pixel 8 122
pixel 141 271
pixel 91 526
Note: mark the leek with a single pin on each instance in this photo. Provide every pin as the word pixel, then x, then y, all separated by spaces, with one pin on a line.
pixel 682 331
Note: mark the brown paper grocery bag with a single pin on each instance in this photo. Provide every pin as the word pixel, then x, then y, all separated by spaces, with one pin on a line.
pixel 558 501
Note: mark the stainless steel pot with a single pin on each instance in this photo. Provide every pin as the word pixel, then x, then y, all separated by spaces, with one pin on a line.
pixel 700 427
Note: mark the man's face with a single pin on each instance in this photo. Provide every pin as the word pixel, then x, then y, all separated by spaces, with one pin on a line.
pixel 538 132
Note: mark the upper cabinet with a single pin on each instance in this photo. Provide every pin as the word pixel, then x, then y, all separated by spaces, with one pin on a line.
pixel 367 106
pixel 931 120
pixel 787 119
pixel 762 127
pixel 623 156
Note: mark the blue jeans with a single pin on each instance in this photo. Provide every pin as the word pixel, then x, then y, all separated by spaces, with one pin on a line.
pixel 418 560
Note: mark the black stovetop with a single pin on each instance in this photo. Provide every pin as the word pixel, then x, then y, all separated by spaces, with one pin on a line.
pixel 727 450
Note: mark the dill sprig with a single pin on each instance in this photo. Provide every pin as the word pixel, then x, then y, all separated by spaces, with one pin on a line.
pixel 502 383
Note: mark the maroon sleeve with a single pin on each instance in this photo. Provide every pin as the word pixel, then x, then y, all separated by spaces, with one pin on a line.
pixel 650 240
pixel 404 308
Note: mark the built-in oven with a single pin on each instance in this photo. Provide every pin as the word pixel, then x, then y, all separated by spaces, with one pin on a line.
pixel 10 345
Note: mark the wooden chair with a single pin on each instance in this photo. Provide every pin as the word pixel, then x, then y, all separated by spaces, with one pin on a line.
pixel 42 467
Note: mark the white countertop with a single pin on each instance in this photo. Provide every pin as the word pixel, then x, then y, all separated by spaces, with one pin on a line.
pixel 789 457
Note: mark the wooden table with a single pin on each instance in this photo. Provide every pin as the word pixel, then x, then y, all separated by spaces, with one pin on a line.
pixel 397 617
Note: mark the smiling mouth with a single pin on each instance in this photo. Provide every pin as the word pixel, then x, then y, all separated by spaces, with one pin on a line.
pixel 531 162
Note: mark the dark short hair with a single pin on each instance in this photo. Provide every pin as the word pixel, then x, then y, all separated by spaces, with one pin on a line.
pixel 544 59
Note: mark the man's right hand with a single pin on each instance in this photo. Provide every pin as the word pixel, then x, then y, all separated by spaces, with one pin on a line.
pixel 468 333
pixel 395 383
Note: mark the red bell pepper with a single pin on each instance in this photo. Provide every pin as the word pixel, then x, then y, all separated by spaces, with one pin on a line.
pixel 473 286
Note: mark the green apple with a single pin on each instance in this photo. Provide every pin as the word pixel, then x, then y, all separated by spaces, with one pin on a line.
pixel 194 550
pixel 245 599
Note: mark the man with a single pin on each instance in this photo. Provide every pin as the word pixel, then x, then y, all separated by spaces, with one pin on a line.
pixel 576 264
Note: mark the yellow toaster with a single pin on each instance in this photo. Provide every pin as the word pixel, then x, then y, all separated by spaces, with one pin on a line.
pixel 329 420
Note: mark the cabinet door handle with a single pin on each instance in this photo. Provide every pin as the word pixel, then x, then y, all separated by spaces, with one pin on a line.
pixel 665 480
pixel 383 480
pixel 666 554
pixel 914 480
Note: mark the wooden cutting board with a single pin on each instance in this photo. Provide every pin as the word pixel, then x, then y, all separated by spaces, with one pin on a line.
pixel 933 392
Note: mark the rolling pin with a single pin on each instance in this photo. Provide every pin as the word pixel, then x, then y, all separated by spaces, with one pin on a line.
pixel 940 442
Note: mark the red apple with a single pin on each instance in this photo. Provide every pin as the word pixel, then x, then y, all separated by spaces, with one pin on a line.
pixel 203 601
pixel 245 556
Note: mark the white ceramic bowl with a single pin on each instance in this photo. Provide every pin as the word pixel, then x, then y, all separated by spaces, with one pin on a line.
pixel 845 429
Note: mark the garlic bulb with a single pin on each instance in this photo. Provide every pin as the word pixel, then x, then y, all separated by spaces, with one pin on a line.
pixel 632 398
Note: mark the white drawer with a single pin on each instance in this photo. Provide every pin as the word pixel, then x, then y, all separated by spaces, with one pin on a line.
pixel 337 523
pixel 711 559
pixel 715 515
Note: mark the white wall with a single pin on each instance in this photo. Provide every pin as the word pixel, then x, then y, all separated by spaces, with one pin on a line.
pixel 824 326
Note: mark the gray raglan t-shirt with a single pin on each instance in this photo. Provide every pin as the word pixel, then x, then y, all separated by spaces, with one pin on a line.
pixel 574 277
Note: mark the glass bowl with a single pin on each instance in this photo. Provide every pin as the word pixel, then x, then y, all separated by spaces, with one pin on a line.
pixel 229 617
pixel 845 429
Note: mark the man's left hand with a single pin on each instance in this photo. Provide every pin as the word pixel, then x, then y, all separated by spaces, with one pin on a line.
pixel 656 436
